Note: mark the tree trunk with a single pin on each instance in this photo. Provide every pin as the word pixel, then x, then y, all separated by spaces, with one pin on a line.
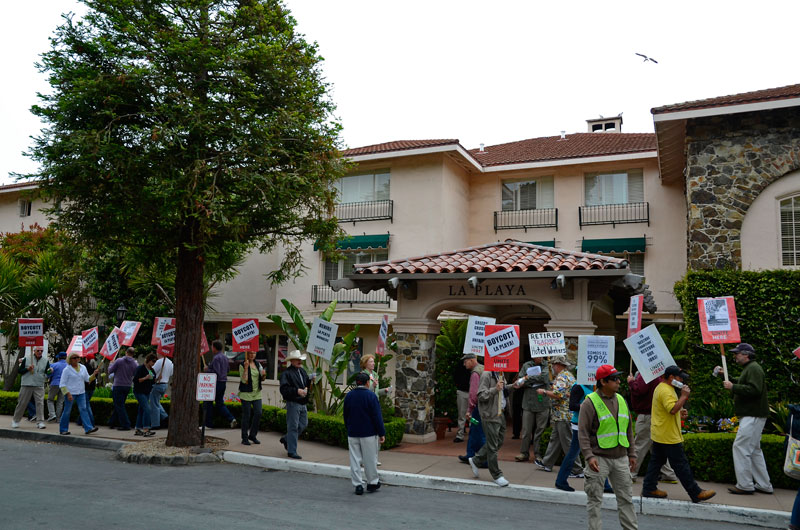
pixel 183 417
pixel 10 372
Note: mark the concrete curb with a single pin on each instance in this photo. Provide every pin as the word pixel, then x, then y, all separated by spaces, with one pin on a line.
pixel 69 439
pixel 677 509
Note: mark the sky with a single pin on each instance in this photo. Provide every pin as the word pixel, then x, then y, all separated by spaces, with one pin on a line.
pixel 479 71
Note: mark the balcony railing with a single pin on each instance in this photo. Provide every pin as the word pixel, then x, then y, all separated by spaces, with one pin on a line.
pixel 347 212
pixel 324 294
pixel 614 214
pixel 538 218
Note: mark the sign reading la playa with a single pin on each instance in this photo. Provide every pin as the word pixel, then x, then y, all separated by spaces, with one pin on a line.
pixel 487 290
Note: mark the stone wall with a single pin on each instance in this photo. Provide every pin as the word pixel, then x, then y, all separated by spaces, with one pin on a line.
pixel 730 160
pixel 414 381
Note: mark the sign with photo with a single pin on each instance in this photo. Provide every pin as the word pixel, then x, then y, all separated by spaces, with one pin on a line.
pixel 112 344
pixel 547 344
pixel 245 334
pixel 158 328
pixel 501 348
pixel 649 352
pixel 90 340
pixel 322 338
pixel 31 331
pixel 635 314
pixel 129 329
pixel 474 342
pixel 718 324
pixel 593 351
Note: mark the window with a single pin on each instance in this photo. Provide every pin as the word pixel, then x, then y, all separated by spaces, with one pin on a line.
pixel 363 188
pixel 636 263
pixel 616 187
pixel 24 208
pixel 790 231
pixel 529 194
pixel 335 270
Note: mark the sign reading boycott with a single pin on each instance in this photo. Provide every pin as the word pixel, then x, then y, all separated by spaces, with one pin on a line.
pixel 502 348
pixel 474 342
pixel 383 333
pixel 158 328
pixel 322 338
pixel 718 323
pixel 547 344
pixel 245 334
pixel 31 331
pixel 112 344
pixel 635 314
pixel 129 329
pixel 593 351
pixel 75 345
pixel 91 338
pixel 166 344
pixel 649 352
pixel 206 387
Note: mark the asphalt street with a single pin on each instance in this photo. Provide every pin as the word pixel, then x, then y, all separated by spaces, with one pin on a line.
pixel 58 486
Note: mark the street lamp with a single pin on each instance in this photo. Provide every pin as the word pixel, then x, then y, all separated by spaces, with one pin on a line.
pixel 121 312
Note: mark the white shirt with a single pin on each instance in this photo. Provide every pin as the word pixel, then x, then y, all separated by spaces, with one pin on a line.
pixel 167 372
pixel 73 380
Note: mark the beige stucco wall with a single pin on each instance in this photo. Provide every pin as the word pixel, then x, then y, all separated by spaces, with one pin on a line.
pixel 10 221
pixel 761 244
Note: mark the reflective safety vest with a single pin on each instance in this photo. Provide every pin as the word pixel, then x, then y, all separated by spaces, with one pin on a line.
pixel 611 433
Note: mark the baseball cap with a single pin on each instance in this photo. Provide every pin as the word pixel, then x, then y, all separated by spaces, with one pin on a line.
pixel 675 371
pixel 560 360
pixel 468 356
pixel 606 370
pixel 62 355
pixel 744 348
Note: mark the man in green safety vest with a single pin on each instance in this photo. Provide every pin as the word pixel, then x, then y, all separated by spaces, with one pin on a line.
pixel 605 434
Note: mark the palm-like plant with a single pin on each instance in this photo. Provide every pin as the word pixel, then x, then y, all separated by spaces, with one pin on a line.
pixel 449 348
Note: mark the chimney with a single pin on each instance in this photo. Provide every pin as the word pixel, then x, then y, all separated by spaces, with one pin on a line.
pixel 563 135
pixel 481 148
pixel 605 125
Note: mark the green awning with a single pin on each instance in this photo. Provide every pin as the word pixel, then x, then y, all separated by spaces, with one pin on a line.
pixel 548 243
pixel 618 245
pixel 361 242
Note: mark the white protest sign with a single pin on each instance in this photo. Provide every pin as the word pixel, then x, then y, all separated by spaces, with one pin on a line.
pixel 635 314
pixel 168 336
pixel 322 338
pixel 547 344
pixel 533 371
pixel 383 334
pixel 593 351
pixel 501 341
pixel 206 387
pixel 649 352
pixel 475 334
pixel 112 344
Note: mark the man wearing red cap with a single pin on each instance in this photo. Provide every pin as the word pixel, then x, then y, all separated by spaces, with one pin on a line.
pixel 605 433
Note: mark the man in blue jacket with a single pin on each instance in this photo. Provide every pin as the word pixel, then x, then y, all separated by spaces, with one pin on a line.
pixel 364 423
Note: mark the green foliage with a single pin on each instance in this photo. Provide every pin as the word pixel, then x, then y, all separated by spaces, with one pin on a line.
pixel 768 312
pixel 676 340
pixel 449 348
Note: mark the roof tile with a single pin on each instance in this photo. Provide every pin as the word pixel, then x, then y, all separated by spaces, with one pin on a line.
pixel 399 145
pixel 768 94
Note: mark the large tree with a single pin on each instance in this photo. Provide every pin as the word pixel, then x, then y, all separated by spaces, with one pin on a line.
pixel 190 132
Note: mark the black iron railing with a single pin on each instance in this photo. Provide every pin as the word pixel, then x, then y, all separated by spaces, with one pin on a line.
pixel 324 294
pixel 614 214
pixel 538 218
pixel 347 212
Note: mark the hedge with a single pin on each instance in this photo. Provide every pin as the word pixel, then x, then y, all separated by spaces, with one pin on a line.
pixel 321 428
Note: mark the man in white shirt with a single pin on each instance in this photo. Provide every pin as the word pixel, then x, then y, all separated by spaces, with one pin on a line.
pixel 163 370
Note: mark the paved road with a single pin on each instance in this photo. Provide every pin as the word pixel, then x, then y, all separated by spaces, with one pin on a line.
pixel 68 488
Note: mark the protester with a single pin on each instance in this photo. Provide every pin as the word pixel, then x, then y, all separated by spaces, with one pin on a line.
pixel 491 403
pixel 665 431
pixel 607 445
pixel 367 364
pixel 535 407
pixel 122 370
pixel 55 399
pixel 365 433
pixel 294 389
pixel 91 366
pixel 220 365
pixel 750 404
pixel 641 404
pixel 163 369
pixel 477 438
pixel 143 380
pixel 461 381
pixel 251 373
pixel 560 416
pixel 73 386
pixel 33 376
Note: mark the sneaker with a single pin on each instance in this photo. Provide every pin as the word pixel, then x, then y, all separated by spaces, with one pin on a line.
pixel 32 419
pixel 577 475
pixel 64 433
pixel 94 429
pixel 41 425
pixel 655 494
pixel 737 491
pixel 522 457
pixel 767 492
pixel 52 419
pixel 474 468
pixel 547 468
pixel 147 433
pixel 539 463
pixel 234 424
pixel 295 456
pixel 255 441
pixel 14 424
pixel 457 440
pixel 139 432
pixel 359 490
pixel 501 481
pixel 704 495
pixel 564 487
pixel 464 459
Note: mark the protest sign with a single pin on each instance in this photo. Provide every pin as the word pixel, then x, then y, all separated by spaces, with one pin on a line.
pixel 90 338
pixel 547 344
pixel 649 352
pixel 203 342
pixel 31 331
pixel 206 386
pixel 128 331
pixel 158 328
pixel 166 344
pixel 718 323
pixel 322 338
pixel 474 342
pixel 75 345
pixel 383 333
pixel 112 344
pixel 797 353
pixel 635 314
pixel 501 348
pixel 245 334
pixel 593 351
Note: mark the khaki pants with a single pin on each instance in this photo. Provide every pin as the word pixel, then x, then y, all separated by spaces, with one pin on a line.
pixel 617 470
pixel 748 460
pixel 533 425
pixel 642 446
pixel 462 400
pixel 560 440
pixel 495 432
pixel 363 451
pixel 25 393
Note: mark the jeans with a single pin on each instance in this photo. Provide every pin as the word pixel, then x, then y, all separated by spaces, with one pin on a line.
pixel 569 462
pixel 120 416
pixel 218 406
pixel 80 400
pixel 296 423
pixel 143 413
pixel 796 510
pixel 89 394
pixel 157 412
pixel 659 454
pixel 476 438
pixel 251 418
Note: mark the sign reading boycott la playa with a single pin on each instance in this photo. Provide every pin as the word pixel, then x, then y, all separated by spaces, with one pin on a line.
pixel 321 338
pixel 31 331
pixel 502 348
pixel 718 323
pixel 245 334
pixel 649 352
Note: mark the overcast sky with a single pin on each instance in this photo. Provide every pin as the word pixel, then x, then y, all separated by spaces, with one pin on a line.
pixel 482 72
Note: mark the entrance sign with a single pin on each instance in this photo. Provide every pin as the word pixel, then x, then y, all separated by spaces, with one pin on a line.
pixel 158 328
pixel 166 344
pixel 206 386
pixel 112 344
pixel 502 348
pixel 474 342
pixel 75 345
pixel 649 352
pixel 593 351
pixel 322 338
pixel 383 334
pixel 91 338
pixel 31 331
pixel 718 323
pixel 635 314
pixel 547 344
pixel 129 329
pixel 245 334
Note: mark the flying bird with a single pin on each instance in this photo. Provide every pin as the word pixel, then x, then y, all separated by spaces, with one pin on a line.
pixel 646 58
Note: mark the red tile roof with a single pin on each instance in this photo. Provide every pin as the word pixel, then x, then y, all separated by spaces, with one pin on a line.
pixel 769 94
pixel 399 145
pixel 508 256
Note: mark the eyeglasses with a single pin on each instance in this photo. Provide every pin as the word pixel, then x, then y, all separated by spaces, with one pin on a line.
pixel 613 378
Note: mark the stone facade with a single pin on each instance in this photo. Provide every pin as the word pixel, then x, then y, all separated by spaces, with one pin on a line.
pixel 730 160
pixel 414 380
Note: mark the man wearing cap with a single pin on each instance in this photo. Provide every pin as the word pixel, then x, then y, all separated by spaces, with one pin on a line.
pixel 491 404
pixel 665 431
pixel 55 399
pixel 605 433
pixel 33 374
pixel 533 375
pixel 365 433
pixel 750 403
pixel 476 438
pixel 560 416
pixel 294 389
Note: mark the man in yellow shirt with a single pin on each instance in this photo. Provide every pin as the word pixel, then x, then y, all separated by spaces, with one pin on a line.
pixel 665 431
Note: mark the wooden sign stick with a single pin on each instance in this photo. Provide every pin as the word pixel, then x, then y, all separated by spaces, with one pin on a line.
pixel 724 361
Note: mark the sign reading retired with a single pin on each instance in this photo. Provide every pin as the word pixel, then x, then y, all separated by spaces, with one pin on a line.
pixel 245 334
pixel 31 331
pixel 635 314
pixel 649 352
pixel 90 338
pixel 166 344
pixel 322 338
pixel 718 323
pixel 158 328
pixel 502 348
pixel 593 351
pixel 474 342
pixel 383 334
pixel 112 344
pixel 547 344
pixel 129 329
pixel 206 387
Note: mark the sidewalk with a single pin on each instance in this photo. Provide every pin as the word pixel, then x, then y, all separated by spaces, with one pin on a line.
pixel 438 460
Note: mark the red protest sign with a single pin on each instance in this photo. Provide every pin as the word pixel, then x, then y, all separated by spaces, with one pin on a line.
pixel 718 323
pixel 158 328
pixel 129 329
pixel 245 334
pixel 90 338
pixel 166 344
pixel 501 348
pixel 203 342
pixel 635 314
pixel 797 353
pixel 112 344
pixel 383 333
pixel 31 331
pixel 75 345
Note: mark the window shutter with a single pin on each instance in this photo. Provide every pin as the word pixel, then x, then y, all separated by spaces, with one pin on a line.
pixel 331 270
pixel 24 207
pixel 544 194
pixel 790 231
pixel 592 189
pixel 635 185
pixel 507 196
pixel 527 195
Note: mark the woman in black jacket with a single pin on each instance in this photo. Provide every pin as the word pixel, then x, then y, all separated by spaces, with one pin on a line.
pixel 143 381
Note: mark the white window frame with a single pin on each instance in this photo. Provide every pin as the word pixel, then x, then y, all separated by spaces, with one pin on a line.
pixel 602 188
pixel 789 243
pixel 25 207
pixel 372 191
pixel 543 191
